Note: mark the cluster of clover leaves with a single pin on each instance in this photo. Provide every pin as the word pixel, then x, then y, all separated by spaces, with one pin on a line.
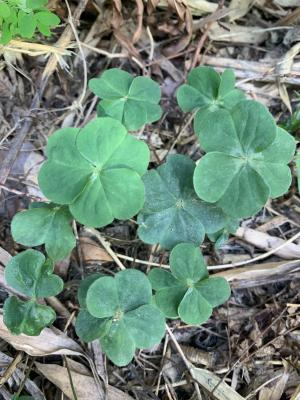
pixel 98 173
pixel 23 17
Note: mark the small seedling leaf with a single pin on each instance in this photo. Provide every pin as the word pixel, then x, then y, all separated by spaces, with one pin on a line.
pixel 207 91
pixel 35 4
pixel 47 18
pixel 26 24
pixel 187 291
pixel 132 101
pixel 4 10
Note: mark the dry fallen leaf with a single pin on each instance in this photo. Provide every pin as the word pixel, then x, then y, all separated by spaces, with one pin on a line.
pixel 218 389
pixel 236 33
pixel 92 251
pixel 85 386
pixel 197 7
pixel 296 394
pixel 50 341
pixel 239 8
pixel 277 388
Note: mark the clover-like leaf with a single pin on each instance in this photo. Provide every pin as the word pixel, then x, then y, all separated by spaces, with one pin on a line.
pixel 132 101
pixel 172 212
pixel 187 291
pixel 4 10
pixel 207 91
pixel 246 161
pixel 47 224
pixel 97 171
pixel 27 317
pixel 26 24
pixel 88 327
pixel 126 318
pixel 29 273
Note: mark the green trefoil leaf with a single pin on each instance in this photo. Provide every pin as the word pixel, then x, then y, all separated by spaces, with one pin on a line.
pixel 126 318
pixel 206 91
pixel 89 169
pixel 187 291
pixel 132 101
pixel 172 212
pixel 246 160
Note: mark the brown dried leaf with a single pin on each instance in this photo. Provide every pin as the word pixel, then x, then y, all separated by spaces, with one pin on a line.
pixel 197 356
pixel 85 386
pixel 197 7
pixel 277 389
pixel 50 341
pixel 236 33
pixel 239 8
pixel 218 389
pixel 91 251
pixel 285 64
pixel 285 96
pixel 140 13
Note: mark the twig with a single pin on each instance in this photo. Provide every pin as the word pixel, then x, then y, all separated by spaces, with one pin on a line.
pixel 70 378
pixel 11 368
pixel 106 246
pixel 104 52
pixel 85 72
pixel 184 359
pixel 221 266
pixel 182 130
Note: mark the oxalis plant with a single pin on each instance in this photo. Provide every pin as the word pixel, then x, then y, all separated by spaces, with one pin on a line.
pixel 23 18
pixel 99 172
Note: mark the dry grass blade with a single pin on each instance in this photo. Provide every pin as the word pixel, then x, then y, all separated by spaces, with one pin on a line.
pixel 218 389
pixel 11 368
pixel 34 49
pixel 296 394
pixel 254 70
